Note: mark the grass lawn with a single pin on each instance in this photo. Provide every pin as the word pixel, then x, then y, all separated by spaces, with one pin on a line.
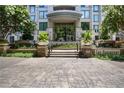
pixel 17 54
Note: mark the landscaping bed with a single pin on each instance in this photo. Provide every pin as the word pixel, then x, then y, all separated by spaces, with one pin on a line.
pixel 18 54
pixel 20 48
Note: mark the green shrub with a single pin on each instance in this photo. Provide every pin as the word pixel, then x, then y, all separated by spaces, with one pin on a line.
pixel 43 36
pixel 27 36
pixel 23 44
pixel 107 56
pixel 118 57
pixel 2 41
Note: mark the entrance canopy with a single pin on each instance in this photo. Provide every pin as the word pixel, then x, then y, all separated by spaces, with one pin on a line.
pixel 64 16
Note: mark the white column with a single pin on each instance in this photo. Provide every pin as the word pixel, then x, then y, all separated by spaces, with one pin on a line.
pixel 114 36
pixel 36 32
pixel 50 29
pixel 78 30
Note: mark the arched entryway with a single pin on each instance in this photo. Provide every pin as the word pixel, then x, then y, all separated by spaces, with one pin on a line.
pixel 64 28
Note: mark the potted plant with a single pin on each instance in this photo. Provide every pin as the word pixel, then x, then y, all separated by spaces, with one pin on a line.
pixel 43 37
pixel 87 38
pixel 86 44
pixel 42 47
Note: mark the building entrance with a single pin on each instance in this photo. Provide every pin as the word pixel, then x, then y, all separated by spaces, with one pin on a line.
pixel 64 32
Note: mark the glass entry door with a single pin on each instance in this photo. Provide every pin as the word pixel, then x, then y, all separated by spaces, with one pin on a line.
pixel 64 32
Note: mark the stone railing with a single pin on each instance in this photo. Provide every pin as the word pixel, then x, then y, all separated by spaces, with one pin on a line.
pixel 90 51
pixel 108 51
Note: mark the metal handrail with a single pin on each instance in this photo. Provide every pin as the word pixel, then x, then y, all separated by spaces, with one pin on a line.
pixel 51 43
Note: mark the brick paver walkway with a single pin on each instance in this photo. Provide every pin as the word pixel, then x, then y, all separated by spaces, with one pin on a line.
pixel 60 72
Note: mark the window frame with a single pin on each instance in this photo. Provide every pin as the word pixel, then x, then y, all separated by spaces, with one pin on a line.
pixel 44 16
pixel 84 14
pixel 44 26
pixel 32 7
pixel 94 28
pixel 85 27
pixel 94 18
pixel 42 7
pixel 32 16
pixel 95 9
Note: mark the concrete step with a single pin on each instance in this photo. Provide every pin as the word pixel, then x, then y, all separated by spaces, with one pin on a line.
pixel 64 56
pixel 72 56
pixel 64 53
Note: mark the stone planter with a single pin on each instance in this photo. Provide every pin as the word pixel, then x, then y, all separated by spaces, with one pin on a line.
pixel 42 49
pixel 4 48
pixel 86 51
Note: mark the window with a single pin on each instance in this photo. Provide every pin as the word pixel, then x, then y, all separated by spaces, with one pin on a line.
pixel 42 14
pixel 96 8
pixel 85 25
pixel 96 18
pixel 32 8
pixel 45 14
pixel 86 14
pixel 42 26
pixel 82 6
pixel 96 28
pixel 41 7
pixel 32 17
pixel 12 39
pixel 96 37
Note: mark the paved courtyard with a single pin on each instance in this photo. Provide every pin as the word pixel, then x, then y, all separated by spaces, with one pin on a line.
pixel 60 72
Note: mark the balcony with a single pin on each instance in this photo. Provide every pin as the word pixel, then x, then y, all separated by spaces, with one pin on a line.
pixel 64 15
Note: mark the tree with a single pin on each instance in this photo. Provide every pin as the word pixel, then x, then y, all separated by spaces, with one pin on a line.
pixel 113 21
pixel 13 19
pixel 28 27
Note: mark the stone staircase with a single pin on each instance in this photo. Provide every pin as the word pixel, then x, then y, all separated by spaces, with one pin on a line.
pixel 64 53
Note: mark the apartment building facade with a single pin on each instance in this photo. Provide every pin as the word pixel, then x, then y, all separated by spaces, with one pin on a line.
pixel 66 22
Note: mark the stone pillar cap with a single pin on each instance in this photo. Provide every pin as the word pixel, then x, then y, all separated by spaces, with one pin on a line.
pixel 43 43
